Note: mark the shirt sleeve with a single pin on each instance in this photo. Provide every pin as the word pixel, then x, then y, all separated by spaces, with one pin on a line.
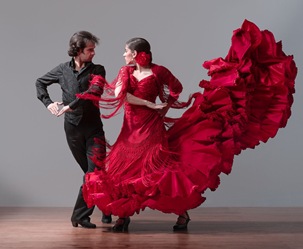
pixel 46 80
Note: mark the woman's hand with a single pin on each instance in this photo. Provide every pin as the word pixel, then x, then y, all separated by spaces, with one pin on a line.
pixel 154 105
pixel 164 110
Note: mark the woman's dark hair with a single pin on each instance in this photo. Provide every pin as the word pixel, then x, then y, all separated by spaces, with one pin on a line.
pixel 139 44
pixel 79 41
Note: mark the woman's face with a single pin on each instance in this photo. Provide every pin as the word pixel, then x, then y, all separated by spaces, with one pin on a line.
pixel 128 56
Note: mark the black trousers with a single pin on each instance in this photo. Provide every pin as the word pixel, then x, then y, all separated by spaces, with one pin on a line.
pixel 81 141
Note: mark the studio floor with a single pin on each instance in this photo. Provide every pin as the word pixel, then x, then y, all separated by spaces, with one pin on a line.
pixel 209 228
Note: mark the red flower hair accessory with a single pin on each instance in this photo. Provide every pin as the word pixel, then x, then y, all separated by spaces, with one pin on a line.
pixel 143 59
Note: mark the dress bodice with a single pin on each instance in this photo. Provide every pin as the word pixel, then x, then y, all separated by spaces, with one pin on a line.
pixel 146 88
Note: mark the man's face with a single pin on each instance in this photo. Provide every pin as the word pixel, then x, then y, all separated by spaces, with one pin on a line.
pixel 88 53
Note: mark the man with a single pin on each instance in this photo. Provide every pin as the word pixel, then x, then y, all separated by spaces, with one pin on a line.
pixel 82 122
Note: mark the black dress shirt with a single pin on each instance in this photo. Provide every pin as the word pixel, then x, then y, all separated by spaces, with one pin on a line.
pixel 71 83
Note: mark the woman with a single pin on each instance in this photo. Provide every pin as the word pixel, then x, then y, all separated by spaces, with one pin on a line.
pixel 136 163
pixel 246 101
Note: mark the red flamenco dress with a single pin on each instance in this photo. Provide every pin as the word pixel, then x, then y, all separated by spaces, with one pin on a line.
pixel 246 101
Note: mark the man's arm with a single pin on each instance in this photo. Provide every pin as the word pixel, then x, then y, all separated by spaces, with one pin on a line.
pixel 41 87
pixel 93 89
pixel 43 82
pixel 98 70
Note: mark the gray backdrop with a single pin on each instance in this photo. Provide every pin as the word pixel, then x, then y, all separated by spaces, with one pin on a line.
pixel 37 168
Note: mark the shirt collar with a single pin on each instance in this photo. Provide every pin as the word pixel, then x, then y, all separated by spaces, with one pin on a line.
pixel 72 64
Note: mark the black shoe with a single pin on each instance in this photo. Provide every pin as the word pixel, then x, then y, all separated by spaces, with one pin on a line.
pixel 181 224
pixel 121 225
pixel 106 219
pixel 84 223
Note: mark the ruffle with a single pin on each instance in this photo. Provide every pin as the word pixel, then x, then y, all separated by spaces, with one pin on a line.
pixel 246 101
pixel 173 192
